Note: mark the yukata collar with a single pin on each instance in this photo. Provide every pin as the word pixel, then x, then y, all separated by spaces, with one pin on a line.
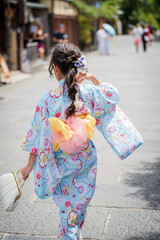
pixel 62 82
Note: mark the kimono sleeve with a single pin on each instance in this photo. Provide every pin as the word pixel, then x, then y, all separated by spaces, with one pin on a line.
pixel 105 97
pixel 115 126
pixel 37 129
pixel 99 99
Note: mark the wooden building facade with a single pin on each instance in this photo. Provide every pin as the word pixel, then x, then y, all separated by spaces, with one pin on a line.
pixel 16 23
pixel 63 13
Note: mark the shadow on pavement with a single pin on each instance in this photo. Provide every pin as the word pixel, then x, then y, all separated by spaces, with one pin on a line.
pixel 148 236
pixel 147 179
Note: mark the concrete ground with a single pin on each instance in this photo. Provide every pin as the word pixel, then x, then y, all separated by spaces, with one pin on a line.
pixel 126 204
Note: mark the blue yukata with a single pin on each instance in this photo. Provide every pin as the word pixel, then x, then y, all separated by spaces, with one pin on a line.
pixel 70 178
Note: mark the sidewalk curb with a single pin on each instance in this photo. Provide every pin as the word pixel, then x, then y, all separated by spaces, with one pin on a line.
pixel 17 76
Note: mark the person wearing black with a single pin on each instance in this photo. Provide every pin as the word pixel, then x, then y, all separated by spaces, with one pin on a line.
pixel 60 35
pixel 39 37
pixel 145 37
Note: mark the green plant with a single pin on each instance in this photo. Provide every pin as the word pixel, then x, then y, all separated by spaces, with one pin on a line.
pixel 107 8
pixel 86 30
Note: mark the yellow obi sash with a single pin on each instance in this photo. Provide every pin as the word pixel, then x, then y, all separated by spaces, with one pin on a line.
pixel 72 134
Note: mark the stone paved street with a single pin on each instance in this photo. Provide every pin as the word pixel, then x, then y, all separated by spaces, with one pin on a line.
pixel 126 204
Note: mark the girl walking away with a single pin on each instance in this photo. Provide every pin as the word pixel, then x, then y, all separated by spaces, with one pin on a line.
pixel 59 137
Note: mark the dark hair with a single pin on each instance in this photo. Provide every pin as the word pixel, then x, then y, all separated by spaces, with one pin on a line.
pixel 64 56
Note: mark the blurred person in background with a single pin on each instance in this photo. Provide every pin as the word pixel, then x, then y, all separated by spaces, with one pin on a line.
pixel 152 32
pixel 137 33
pixel 103 41
pixel 60 35
pixel 145 37
pixel 33 27
pixel 157 35
pixel 39 37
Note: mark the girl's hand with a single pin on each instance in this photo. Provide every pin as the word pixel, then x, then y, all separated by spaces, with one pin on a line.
pixel 82 76
pixel 87 76
pixel 26 171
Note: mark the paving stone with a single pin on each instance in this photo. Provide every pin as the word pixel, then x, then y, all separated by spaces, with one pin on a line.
pixel 12 134
pixel 13 161
pixel 41 219
pixel 121 195
pixel 144 174
pixel 138 158
pixel 107 174
pixel 94 222
pixel 23 237
pixel 152 132
pixel 150 145
pixel 28 190
pixel 108 157
pixel 134 224
pixel 10 143
pixel 97 138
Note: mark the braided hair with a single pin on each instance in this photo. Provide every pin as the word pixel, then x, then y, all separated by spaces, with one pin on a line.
pixel 64 56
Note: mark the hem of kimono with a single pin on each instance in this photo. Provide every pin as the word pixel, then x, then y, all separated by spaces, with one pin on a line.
pixel 40 196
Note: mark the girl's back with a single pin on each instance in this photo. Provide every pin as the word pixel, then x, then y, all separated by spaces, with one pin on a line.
pixel 58 138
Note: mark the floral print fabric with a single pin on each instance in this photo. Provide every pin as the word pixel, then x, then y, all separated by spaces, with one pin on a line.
pixel 70 178
pixel 53 103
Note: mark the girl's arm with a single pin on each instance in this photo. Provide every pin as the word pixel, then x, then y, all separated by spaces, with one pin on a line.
pixel 88 76
pixel 29 167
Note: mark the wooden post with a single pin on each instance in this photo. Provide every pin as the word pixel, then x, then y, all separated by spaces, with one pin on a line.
pixel 21 22
pixel 8 38
pixel 52 20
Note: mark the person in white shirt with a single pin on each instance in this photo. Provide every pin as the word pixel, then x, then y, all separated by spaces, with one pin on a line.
pixel 137 33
